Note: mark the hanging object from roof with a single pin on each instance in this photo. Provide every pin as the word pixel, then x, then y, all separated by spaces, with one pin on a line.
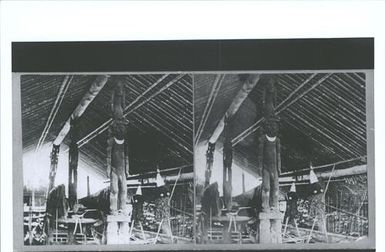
pixel 139 191
pixel 159 179
pixel 313 177
pixel 292 188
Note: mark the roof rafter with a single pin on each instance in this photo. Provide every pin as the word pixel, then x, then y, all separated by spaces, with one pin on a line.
pixel 129 109
pixel 322 132
pixel 210 102
pixel 280 108
pixel 59 98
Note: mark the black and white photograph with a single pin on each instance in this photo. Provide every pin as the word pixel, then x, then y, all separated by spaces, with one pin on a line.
pixel 107 159
pixel 195 150
pixel 281 158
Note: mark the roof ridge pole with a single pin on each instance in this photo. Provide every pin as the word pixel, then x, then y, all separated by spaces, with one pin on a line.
pixel 90 95
pixel 242 94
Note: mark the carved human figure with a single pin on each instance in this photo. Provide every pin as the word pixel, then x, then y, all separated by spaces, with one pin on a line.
pixel 117 153
pixel 162 210
pixel 209 162
pixel 211 207
pixel 227 163
pixel 269 161
pixel 137 208
pixel 291 207
pixel 269 158
pixel 316 199
pixel 269 98
pixel 73 157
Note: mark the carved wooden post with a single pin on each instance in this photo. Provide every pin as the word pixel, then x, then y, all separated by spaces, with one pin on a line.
pixel 227 178
pixel 209 162
pixel 270 162
pixel 117 169
pixel 51 184
pixel 53 167
pixel 88 186
pixel 73 155
pixel 227 162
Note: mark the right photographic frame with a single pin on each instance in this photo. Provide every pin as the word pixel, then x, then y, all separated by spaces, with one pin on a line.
pixel 284 157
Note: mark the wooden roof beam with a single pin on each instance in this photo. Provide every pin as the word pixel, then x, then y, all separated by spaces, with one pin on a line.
pixel 242 94
pixel 95 88
pixel 320 167
pixel 355 170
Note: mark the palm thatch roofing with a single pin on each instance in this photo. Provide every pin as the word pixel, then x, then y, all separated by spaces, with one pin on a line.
pixel 322 117
pixel 160 117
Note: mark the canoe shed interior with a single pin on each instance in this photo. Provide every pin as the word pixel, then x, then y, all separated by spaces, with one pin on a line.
pixel 195 151
pixel 159 111
pixel 322 130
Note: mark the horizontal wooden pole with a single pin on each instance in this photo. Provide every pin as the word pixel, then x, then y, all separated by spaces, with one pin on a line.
pixel 355 170
pixel 320 167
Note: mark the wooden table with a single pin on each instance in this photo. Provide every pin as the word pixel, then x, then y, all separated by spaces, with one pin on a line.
pixel 76 221
pixel 228 219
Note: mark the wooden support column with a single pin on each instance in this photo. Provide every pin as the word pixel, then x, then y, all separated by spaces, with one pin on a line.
pixel 51 183
pixel 227 163
pixel 118 169
pixel 270 164
pixel 73 157
pixel 88 186
pixel 53 167
pixel 209 163
pixel 227 178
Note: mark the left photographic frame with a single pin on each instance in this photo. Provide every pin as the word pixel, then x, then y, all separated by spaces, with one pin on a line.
pixel 105 158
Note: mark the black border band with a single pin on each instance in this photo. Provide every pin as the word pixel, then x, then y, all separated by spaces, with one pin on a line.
pixel 194 55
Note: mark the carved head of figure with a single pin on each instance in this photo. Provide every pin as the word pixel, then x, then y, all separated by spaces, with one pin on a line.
pixel 316 188
pixel 271 126
pixel 164 192
pixel 119 87
pixel 270 85
pixel 292 197
pixel 119 129
pixel 138 200
pixel 74 131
